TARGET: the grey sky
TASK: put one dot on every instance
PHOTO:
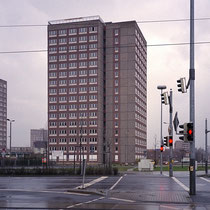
(26, 74)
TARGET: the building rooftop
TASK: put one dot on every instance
(74, 20)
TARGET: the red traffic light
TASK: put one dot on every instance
(190, 132)
(170, 141)
(161, 148)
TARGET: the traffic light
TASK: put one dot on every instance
(165, 141)
(189, 131)
(181, 84)
(186, 132)
(170, 141)
(164, 98)
(161, 148)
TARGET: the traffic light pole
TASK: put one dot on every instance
(171, 134)
(161, 135)
(192, 102)
(206, 148)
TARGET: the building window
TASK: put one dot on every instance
(62, 32)
(92, 29)
(52, 33)
(83, 39)
(52, 41)
(72, 39)
(116, 40)
(72, 56)
(72, 48)
(83, 56)
(116, 32)
(62, 65)
(82, 30)
(93, 55)
(93, 38)
(92, 46)
(72, 31)
(92, 63)
(63, 41)
(62, 49)
(82, 47)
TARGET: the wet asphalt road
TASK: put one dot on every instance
(131, 191)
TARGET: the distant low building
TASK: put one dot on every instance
(181, 145)
(40, 147)
(38, 140)
(21, 150)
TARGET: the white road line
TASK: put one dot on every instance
(44, 191)
(181, 184)
(207, 180)
(79, 204)
(165, 175)
(114, 185)
(120, 199)
(168, 207)
(92, 182)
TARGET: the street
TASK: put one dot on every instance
(132, 190)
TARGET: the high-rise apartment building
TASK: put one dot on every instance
(96, 91)
(3, 115)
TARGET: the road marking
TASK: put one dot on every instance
(165, 175)
(168, 207)
(79, 204)
(44, 191)
(207, 180)
(181, 184)
(120, 199)
(92, 182)
(114, 185)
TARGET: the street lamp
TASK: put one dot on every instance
(161, 88)
(10, 145)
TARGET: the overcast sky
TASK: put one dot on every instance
(26, 73)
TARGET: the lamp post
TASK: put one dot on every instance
(161, 88)
(10, 135)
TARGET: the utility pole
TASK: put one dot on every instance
(170, 134)
(192, 102)
(206, 148)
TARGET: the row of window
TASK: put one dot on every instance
(72, 31)
(74, 140)
(73, 82)
(92, 72)
(73, 56)
(74, 131)
(72, 98)
(82, 106)
(72, 123)
(70, 115)
(72, 48)
(72, 148)
(73, 40)
(73, 90)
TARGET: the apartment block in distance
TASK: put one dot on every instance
(97, 91)
(38, 139)
(3, 115)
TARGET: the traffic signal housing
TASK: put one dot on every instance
(181, 84)
(170, 141)
(187, 132)
(164, 98)
(183, 132)
(190, 131)
(165, 141)
(161, 148)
